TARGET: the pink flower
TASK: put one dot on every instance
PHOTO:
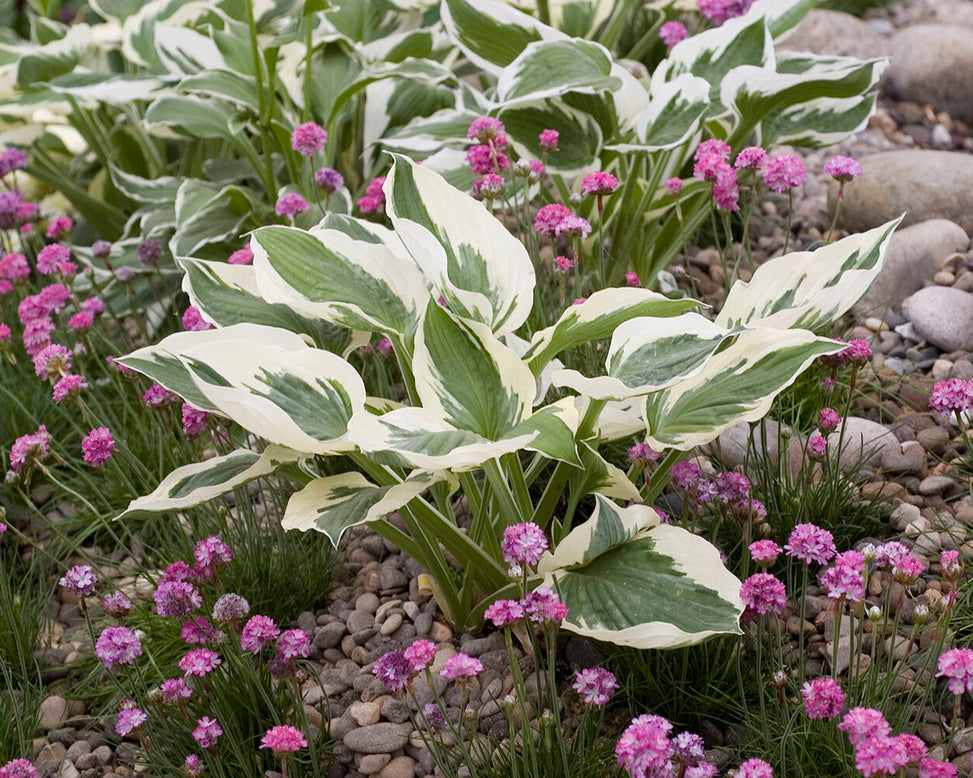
(207, 732)
(81, 321)
(394, 670)
(98, 446)
(956, 665)
(242, 256)
(713, 146)
(148, 252)
(907, 568)
(573, 227)
(176, 599)
(863, 723)
(952, 567)
(672, 32)
(199, 662)
(257, 632)
(329, 179)
(212, 552)
(599, 183)
(116, 604)
(933, 768)
(951, 397)
(644, 748)
(198, 631)
(293, 644)
(755, 768)
(595, 685)
(10, 160)
(783, 172)
(52, 361)
(828, 420)
(100, 249)
(843, 169)
(523, 543)
(193, 421)
(845, 579)
(880, 755)
(14, 267)
(374, 196)
(59, 227)
(689, 749)
(68, 388)
(823, 698)
(129, 720)
(915, 749)
(308, 139)
(117, 646)
(504, 612)
(461, 666)
(486, 129)
(157, 396)
(28, 450)
(420, 655)
(750, 158)
(50, 257)
(563, 264)
(548, 141)
(549, 218)
(763, 593)
(764, 552)
(810, 543)
(543, 606)
(481, 159)
(230, 607)
(290, 205)
(193, 320)
(642, 455)
(18, 768)
(80, 579)
(175, 691)
(491, 186)
(632, 279)
(710, 166)
(674, 186)
(283, 739)
(193, 767)
(726, 190)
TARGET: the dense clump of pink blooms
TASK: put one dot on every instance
(308, 139)
(543, 606)
(393, 669)
(28, 450)
(642, 455)
(503, 613)
(329, 179)
(594, 685)
(290, 205)
(374, 197)
(242, 256)
(784, 172)
(672, 33)
(283, 739)
(194, 421)
(823, 698)
(230, 607)
(80, 580)
(129, 720)
(176, 599)
(207, 732)
(257, 632)
(764, 552)
(175, 691)
(762, 593)
(755, 768)
(117, 646)
(810, 543)
(98, 446)
(487, 130)
(599, 183)
(199, 662)
(420, 655)
(956, 665)
(116, 604)
(863, 723)
(951, 397)
(547, 140)
(523, 543)
(845, 578)
(18, 768)
(843, 169)
(461, 665)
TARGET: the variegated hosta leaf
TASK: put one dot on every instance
(193, 116)
(207, 213)
(809, 289)
(783, 15)
(421, 439)
(713, 53)
(581, 135)
(427, 134)
(737, 384)
(112, 89)
(648, 354)
(492, 34)
(469, 257)
(816, 123)
(330, 275)
(266, 379)
(551, 68)
(619, 420)
(556, 426)
(333, 504)
(752, 92)
(183, 51)
(663, 588)
(191, 485)
(412, 70)
(598, 317)
(672, 117)
(599, 476)
(225, 84)
(468, 378)
(227, 294)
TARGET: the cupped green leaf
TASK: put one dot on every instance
(192, 485)
(665, 588)
(737, 384)
(334, 504)
(816, 123)
(581, 136)
(224, 84)
(672, 117)
(227, 294)
(330, 275)
(597, 318)
(556, 426)
(551, 68)
(647, 354)
(468, 256)
(193, 116)
(809, 289)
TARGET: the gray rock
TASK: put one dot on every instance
(734, 442)
(400, 767)
(924, 184)
(383, 738)
(955, 13)
(933, 63)
(915, 254)
(833, 32)
(53, 710)
(862, 438)
(330, 635)
(943, 316)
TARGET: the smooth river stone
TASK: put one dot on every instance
(943, 316)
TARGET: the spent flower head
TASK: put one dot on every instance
(394, 670)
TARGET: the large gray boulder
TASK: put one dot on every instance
(924, 184)
(915, 254)
(835, 33)
(943, 316)
(933, 63)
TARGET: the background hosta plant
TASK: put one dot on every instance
(452, 290)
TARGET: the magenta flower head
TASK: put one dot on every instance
(674, 186)
(293, 644)
(242, 256)
(632, 279)
(198, 631)
(157, 397)
(193, 321)
(573, 227)
(308, 139)
(230, 607)
(98, 446)
(762, 593)
(641, 455)
(764, 552)
(148, 252)
(644, 748)
(329, 179)
(290, 205)
(80, 579)
(28, 450)
(956, 665)
(750, 158)
(672, 33)
(823, 698)
(283, 739)
(934, 768)
(52, 362)
(10, 160)
(880, 755)
(257, 632)
(420, 655)
(726, 190)
(175, 691)
(828, 420)
(207, 732)
(129, 719)
(374, 196)
(860, 724)
(843, 169)
(116, 605)
(599, 183)
(503, 613)
(549, 218)
(117, 646)
(193, 767)
(950, 398)
(212, 552)
(176, 599)
(594, 685)
(784, 172)
(461, 666)
(548, 141)
(810, 543)
(50, 258)
(755, 768)
(194, 421)
(394, 670)
(523, 543)
(543, 606)
(199, 662)
(487, 129)
(18, 768)
(952, 566)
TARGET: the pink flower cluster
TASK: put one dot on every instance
(855, 355)
(308, 139)
(283, 739)
(951, 398)
(374, 197)
(397, 668)
(523, 544)
(556, 219)
(97, 446)
(645, 750)
(541, 606)
(810, 543)
(878, 752)
(762, 593)
(594, 685)
(730, 489)
(956, 665)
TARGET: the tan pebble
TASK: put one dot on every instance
(875, 324)
(372, 763)
(400, 767)
(943, 278)
(392, 623)
(52, 752)
(439, 632)
(365, 713)
(76, 708)
(348, 644)
(358, 654)
(385, 607)
(313, 716)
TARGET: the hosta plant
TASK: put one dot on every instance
(451, 290)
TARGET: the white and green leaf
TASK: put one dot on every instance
(673, 116)
(824, 121)
(551, 68)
